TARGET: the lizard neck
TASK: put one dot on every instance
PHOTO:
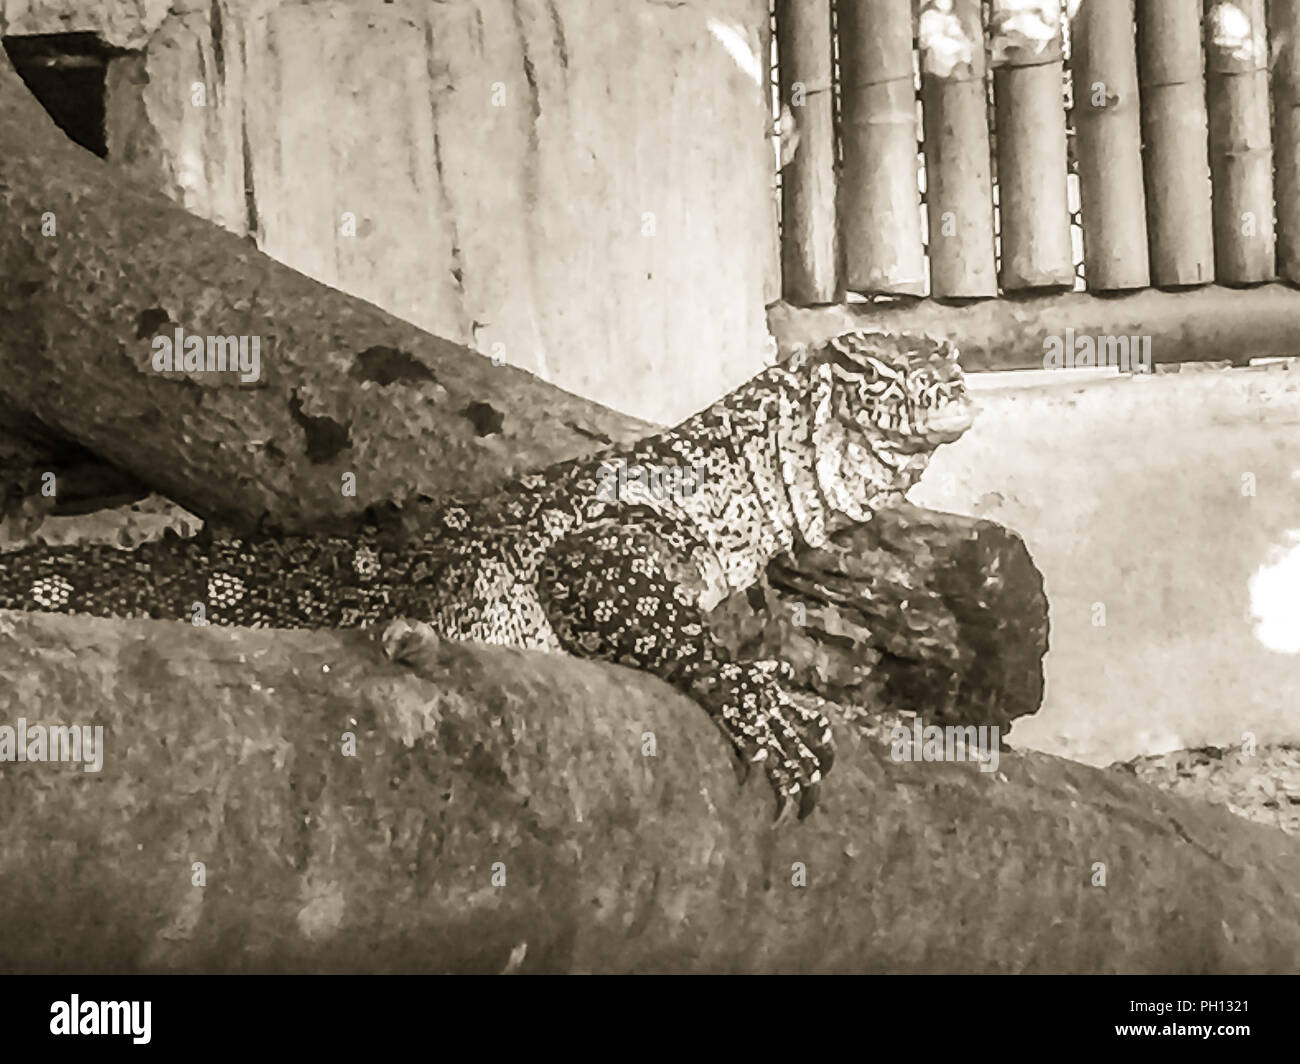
(834, 474)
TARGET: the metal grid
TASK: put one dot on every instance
(1073, 198)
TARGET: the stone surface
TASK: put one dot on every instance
(1263, 786)
(120, 23)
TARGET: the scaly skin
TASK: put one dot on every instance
(617, 556)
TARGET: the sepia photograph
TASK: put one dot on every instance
(649, 487)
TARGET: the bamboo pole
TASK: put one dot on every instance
(809, 240)
(1198, 325)
(959, 186)
(772, 245)
(1030, 115)
(1108, 127)
(1171, 70)
(880, 209)
(1284, 33)
(1241, 147)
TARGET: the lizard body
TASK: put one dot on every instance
(619, 555)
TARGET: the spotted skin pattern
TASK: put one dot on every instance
(623, 594)
(617, 556)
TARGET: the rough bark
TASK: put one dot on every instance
(612, 860)
(918, 612)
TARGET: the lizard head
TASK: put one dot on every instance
(905, 392)
(881, 404)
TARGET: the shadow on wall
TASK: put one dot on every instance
(65, 71)
(1164, 512)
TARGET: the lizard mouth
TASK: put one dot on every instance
(940, 426)
(949, 423)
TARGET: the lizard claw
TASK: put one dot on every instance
(741, 767)
(770, 723)
(808, 800)
(802, 802)
(783, 807)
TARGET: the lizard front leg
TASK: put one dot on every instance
(624, 593)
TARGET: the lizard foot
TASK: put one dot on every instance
(771, 723)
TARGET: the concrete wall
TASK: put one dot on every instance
(1164, 512)
(580, 187)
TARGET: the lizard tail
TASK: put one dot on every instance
(291, 582)
(161, 580)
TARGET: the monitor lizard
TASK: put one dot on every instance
(618, 556)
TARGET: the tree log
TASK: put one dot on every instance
(917, 612)
(94, 268)
(501, 813)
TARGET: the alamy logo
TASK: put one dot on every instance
(954, 742)
(619, 482)
(1071, 351)
(55, 743)
(102, 1017)
(179, 353)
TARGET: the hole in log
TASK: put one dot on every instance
(150, 321)
(387, 365)
(485, 418)
(325, 437)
